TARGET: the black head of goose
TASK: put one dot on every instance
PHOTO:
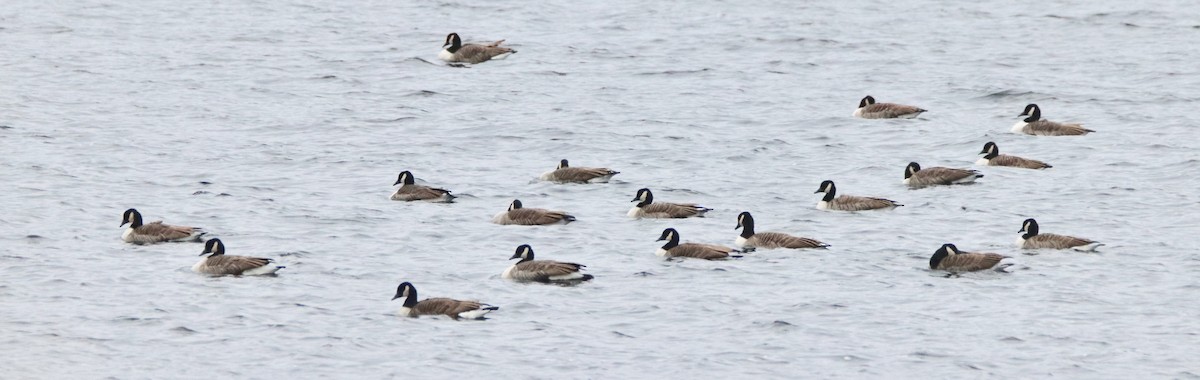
(647, 208)
(769, 240)
(565, 173)
(544, 271)
(1033, 124)
(455, 309)
(992, 157)
(455, 51)
(869, 109)
(917, 178)
(519, 215)
(156, 232)
(410, 191)
(218, 263)
(949, 258)
(699, 251)
(1032, 239)
(830, 201)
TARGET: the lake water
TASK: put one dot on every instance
(280, 125)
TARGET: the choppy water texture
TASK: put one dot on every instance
(280, 126)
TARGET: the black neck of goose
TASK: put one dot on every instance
(411, 300)
(937, 258)
(992, 153)
(1034, 116)
(673, 242)
(648, 200)
(135, 221)
(528, 257)
(1030, 231)
(218, 249)
(747, 227)
(829, 194)
(455, 44)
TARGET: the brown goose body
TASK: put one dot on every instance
(544, 271)
(1032, 238)
(455, 309)
(770, 240)
(992, 157)
(410, 191)
(218, 263)
(568, 174)
(647, 208)
(1033, 124)
(949, 258)
(693, 250)
(455, 51)
(156, 231)
(869, 109)
(916, 177)
(519, 215)
(831, 201)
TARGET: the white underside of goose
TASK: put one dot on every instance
(984, 162)
(822, 205)
(445, 55)
(635, 212)
(1019, 127)
(661, 252)
(740, 241)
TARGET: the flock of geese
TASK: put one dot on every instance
(528, 269)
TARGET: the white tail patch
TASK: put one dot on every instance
(1088, 248)
(475, 314)
(263, 270)
(569, 276)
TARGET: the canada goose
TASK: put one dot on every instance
(546, 271)
(949, 258)
(219, 263)
(769, 240)
(565, 173)
(646, 208)
(455, 51)
(916, 178)
(992, 157)
(868, 109)
(410, 191)
(1031, 239)
(694, 250)
(531, 216)
(156, 232)
(850, 202)
(452, 308)
(1035, 125)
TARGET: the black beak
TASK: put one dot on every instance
(635, 200)
(395, 297)
(818, 191)
(123, 224)
(397, 183)
(515, 257)
(661, 239)
(204, 253)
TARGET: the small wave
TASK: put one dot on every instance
(676, 72)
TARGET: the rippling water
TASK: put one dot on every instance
(279, 126)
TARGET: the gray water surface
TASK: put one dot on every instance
(279, 126)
